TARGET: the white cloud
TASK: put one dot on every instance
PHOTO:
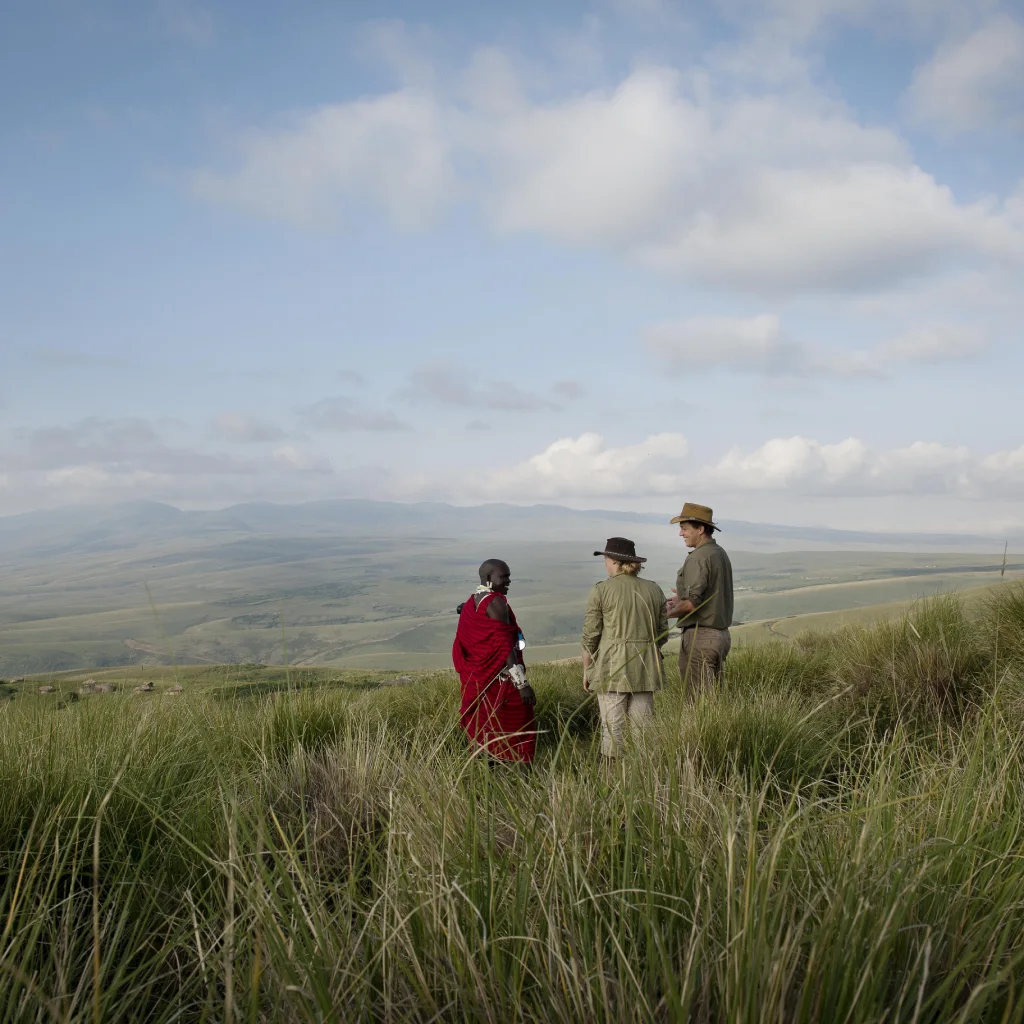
(387, 150)
(849, 469)
(976, 82)
(603, 167)
(759, 345)
(587, 467)
(854, 226)
(105, 461)
(934, 343)
(297, 457)
(784, 193)
(745, 344)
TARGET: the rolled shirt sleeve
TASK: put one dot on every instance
(593, 621)
(693, 579)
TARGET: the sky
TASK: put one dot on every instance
(765, 255)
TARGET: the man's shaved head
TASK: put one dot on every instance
(491, 568)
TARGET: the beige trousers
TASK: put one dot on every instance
(616, 710)
(702, 657)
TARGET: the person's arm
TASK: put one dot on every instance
(688, 597)
(662, 634)
(497, 609)
(593, 626)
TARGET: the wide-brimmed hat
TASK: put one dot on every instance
(696, 514)
(621, 550)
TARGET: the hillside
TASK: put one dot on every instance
(374, 584)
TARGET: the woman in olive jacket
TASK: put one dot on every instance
(624, 630)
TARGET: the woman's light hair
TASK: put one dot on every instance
(627, 568)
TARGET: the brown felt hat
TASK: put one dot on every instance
(621, 550)
(696, 514)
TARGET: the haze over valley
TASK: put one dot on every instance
(375, 584)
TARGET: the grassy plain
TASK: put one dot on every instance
(833, 835)
(378, 602)
(791, 627)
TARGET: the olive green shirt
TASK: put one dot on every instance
(706, 580)
(624, 629)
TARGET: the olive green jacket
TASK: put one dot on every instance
(624, 629)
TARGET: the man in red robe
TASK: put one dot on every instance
(497, 701)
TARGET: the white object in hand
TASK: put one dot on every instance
(518, 676)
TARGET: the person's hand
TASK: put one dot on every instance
(528, 697)
(586, 683)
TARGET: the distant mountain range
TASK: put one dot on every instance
(83, 529)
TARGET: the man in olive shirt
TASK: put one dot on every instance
(703, 601)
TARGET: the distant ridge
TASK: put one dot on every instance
(123, 526)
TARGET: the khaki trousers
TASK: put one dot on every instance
(616, 710)
(702, 657)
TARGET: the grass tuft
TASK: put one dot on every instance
(834, 834)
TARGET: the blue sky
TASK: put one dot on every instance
(762, 255)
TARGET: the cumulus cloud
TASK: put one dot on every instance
(388, 150)
(242, 429)
(848, 468)
(587, 467)
(746, 344)
(934, 343)
(445, 384)
(298, 457)
(602, 167)
(687, 174)
(976, 82)
(756, 193)
(856, 226)
(758, 344)
(341, 414)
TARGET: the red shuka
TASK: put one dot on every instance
(492, 713)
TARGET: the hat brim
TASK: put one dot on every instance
(691, 519)
(617, 556)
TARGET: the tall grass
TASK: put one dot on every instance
(834, 835)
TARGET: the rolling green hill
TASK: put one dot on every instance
(375, 585)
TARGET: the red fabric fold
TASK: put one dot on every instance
(492, 714)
